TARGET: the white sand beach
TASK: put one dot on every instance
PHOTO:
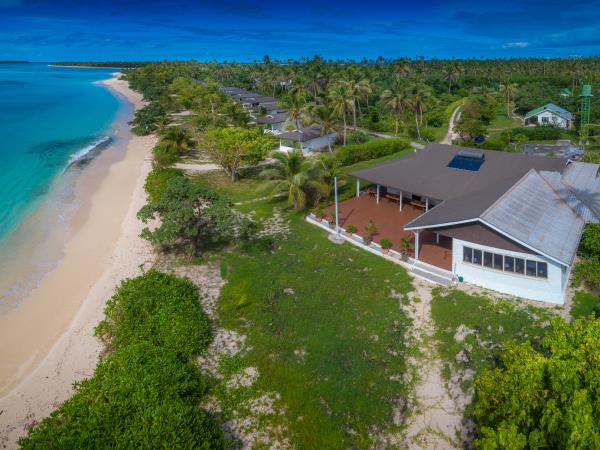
(48, 342)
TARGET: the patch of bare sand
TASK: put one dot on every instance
(249, 421)
(437, 420)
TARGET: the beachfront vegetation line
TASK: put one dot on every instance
(147, 388)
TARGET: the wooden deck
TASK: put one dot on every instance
(390, 222)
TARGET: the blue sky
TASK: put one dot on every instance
(44, 30)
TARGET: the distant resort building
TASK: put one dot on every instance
(549, 115)
(306, 139)
(265, 111)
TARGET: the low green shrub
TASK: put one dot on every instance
(140, 396)
(587, 272)
(351, 154)
(148, 119)
(146, 392)
(351, 228)
(540, 133)
(590, 241)
(160, 309)
(584, 304)
(164, 155)
(156, 182)
(591, 157)
(386, 244)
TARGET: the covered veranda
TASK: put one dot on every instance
(389, 213)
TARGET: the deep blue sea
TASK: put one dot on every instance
(49, 117)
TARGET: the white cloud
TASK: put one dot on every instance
(516, 45)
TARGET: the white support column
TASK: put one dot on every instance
(377, 194)
(426, 204)
(357, 187)
(437, 238)
(417, 245)
(401, 197)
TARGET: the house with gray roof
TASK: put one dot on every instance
(306, 139)
(509, 222)
(549, 115)
(274, 123)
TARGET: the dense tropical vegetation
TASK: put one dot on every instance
(545, 397)
(146, 389)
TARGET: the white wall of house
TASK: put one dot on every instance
(319, 143)
(275, 128)
(551, 289)
(550, 118)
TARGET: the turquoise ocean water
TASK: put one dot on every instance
(49, 117)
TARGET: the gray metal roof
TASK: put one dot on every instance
(532, 213)
(260, 99)
(302, 134)
(427, 173)
(583, 180)
(273, 118)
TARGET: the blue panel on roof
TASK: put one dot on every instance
(466, 163)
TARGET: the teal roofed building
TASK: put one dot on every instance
(549, 115)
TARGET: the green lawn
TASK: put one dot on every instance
(585, 304)
(324, 332)
(324, 328)
(479, 327)
(501, 121)
(246, 188)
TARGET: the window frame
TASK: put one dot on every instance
(498, 263)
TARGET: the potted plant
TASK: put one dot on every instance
(386, 244)
(350, 230)
(370, 230)
(405, 247)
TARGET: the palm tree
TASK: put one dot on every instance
(509, 91)
(295, 105)
(395, 99)
(295, 173)
(340, 96)
(451, 75)
(418, 99)
(330, 168)
(176, 138)
(401, 68)
(358, 91)
(325, 117)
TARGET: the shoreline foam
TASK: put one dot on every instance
(38, 368)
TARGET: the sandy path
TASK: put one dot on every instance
(451, 134)
(56, 323)
(437, 421)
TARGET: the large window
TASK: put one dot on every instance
(505, 263)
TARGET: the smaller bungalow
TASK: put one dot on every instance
(549, 115)
(273, 123)
(259, 101)
(307, 139)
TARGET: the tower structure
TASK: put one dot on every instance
(586, 96)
